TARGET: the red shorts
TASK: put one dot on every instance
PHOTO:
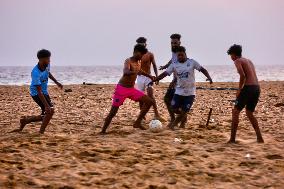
(121, 93)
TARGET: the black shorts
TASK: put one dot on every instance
(182, 102)
(169, 95)
(248, 97)
(41, 105)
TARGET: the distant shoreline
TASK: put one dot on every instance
(161, 84)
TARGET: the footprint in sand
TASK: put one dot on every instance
(274, 157)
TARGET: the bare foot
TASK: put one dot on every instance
(260, 140)
(231, 142)
(161, 119)
(138, 125)
(22, 124)
(102, 133)
(182, 125)
(170, 126)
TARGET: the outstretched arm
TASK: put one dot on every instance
(141, 72)
(205, 72)
(165, 66)
(55, 81)
(161, 76)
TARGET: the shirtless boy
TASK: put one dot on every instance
(248, 93)
(143, 82)
(125, 88)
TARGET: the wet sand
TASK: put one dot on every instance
(71, 154)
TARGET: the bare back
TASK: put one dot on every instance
(146, 62)
(246, 67)
(128, 80)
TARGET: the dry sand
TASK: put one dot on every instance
(72, 155)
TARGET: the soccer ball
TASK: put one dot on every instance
(155, 126)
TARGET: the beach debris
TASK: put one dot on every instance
(172, 180)
(178, 140)
(279, 104)
(247, 156)
(218, 88)
(68, 90)
(209, 116)
(84, 83)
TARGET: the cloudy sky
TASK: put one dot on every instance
(92, 32)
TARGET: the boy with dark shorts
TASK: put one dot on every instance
(175, 43)
(125, 88)
(185, 89)
(39, 93)
(248, 93)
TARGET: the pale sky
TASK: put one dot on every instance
(92, 32)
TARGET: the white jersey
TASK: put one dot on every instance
(185, 76)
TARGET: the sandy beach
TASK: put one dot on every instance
(71, 154)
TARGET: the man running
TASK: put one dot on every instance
(185, 89)
(125, 88)
(39, 93)
(143, 82)
(175, 43)
(248, 93)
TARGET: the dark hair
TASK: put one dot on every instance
(180, 49)
(140, 48)
(43, 53)
(176, 36)
(141, 40)
(235, 49)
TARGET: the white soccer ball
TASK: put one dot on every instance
(155, 126)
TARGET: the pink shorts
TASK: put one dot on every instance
(121, 93)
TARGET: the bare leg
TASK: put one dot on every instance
(235, 123)
(183, 121)
(26, 120)
(169, 107)
(147, 103)
(254, 123)
(178, 119)
(141, 105)
(46, 119)
(108, 119)
(150, 93)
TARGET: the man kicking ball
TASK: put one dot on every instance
(125, 88)
(175, 43)
(39, 93)
(143, 82)
(248, 93)
(185, 89)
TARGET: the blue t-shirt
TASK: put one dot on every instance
(39, 78)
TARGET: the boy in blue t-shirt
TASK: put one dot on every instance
(39, 93)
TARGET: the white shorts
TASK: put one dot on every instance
(143, 82)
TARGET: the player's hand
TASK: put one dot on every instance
(150, 84)
(161, 67)
(210, 80)
(238, 93)
(47, 110)
(59, 85)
